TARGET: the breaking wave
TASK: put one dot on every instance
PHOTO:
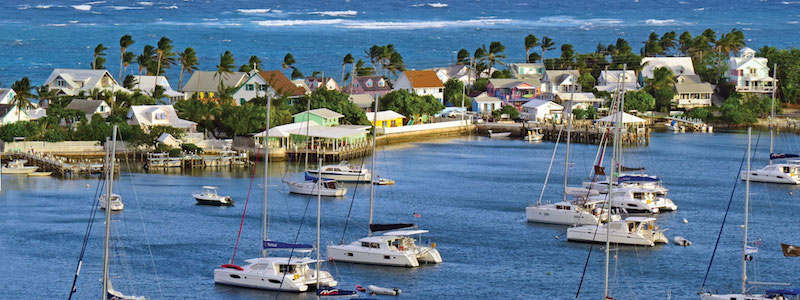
(82, 7)
(254, 10)
(339, 13)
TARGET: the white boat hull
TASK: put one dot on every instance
(342, 176)
(541, 214)
(354, 253)
(116, 202)
(597, 234)
(265, 281)
(770, 177)
(20, 170)
(311, 188)
(213, 200)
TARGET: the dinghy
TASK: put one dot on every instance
(384, 291)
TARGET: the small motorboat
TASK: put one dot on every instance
(499, 134)
(327, 188)
(343, 172)
(382, 181)
(330, 292)
(18, 167)
(209, 196)
(39, 174)
(116, 202)
(384, 291)
(534, 135)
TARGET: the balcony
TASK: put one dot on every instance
(754, 89)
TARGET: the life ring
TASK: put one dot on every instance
(401, 248)
(232, 266)
(296, 277)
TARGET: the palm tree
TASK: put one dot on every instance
(348, 59)
(296, 73)
(395, 63)
(145, 60)
(127, 60)
(685, 43)
(478, 59)
(462, 58)
(165, 55)
(668, 41)
(44, 94)
(99, 60)
(124, 42)
(224, 67)
(252, 64)
(288, 61)
(547, 44)
(188, 60)
(21, 100)
(531, 41)
(374, 55)
(495, 53)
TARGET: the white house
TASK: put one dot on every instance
(458, 72)
(485, 104)
(541, 110)
(691, 92)
(609, 81)
(147, 116)
(11, 114)
(70, 82)
(147, 84)
(750, 74)
(560, 81)
(526, 70)
(262, 83)
(90, 107)
(6, 95)
(678, 65)
(586, 99)
(421, 83)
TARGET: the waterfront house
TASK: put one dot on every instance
(585, 99)
(485, 104)
(541, 110)
(678, 65)
(691, 92)
(560, 81)
(11, 114)
(513, 91)
(315, 83)
(90, 107)
(527, 70)
(421, 83)
(147, 84)
(375, 86)
(313, 137)
(750, 74)
(301, 83)
(147, 116)
(458, 72)
(71, 82)
(321, 116)
(363, 101)
(273, 83)
(609, 81)
(6, 95)
(386, 118)
(205, 84)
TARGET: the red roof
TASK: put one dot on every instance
(423, 79)
(281, 83)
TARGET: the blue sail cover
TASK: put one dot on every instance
(637, 178)
(782, 155)
(783, 292)
(279, 245)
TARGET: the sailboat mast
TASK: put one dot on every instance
(319, 217)
(264, 236)
(372, 167)
(308, 120)
(569, 131)
(746, 213)
(615, 146)
(772, 109)
(109, 179)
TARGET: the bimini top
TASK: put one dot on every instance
(784, 292)
(283, 260)
(640, 219)
(286, 246)
(208, 187)
(637, 178)
(405, 232)
(782, 155)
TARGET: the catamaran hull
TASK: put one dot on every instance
(551, 216)
(410, 259)
(769, 177)
(595, 235)
(341, 177)
(264, 282)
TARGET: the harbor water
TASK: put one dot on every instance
(470, 192)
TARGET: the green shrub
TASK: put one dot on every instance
(191, 147)
(175, 152)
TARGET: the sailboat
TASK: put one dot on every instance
(747, 250)
(115, 203)
(629, 231)
(788, 170)
(314, 185)
(280, 273)
(579, 211)
(396, 247)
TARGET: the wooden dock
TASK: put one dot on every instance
(62, 166)
(227, 159)
(581, 133)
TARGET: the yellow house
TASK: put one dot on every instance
(386, 118)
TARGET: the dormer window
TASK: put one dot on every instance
(160, 116)
(61, 82)
(369, 83)
(381, 83)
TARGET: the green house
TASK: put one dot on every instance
(321, 116)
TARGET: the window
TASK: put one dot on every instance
(394, 123)
(283, 268)
(249, 87)
(262, 87)
(102, 108)
(365, 244)
(381, 83)
(61, 82)
(210, 94)
(374, 245)
(369, 83)
(752, 71)
(349, 253)
(441, 90)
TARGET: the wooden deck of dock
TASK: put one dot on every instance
(581, 133)
(62, 166)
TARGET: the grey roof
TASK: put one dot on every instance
(558, 76)
(484, 97)
(79, 75)
(362, 100)
(690, 78)
(324, 112)
(5, 109)
(502, 83)
(86, 106)
(4, 93)
(685, 88)
(208, 81)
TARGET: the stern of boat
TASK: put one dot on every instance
(429, 255)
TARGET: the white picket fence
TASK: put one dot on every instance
(420, 127)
